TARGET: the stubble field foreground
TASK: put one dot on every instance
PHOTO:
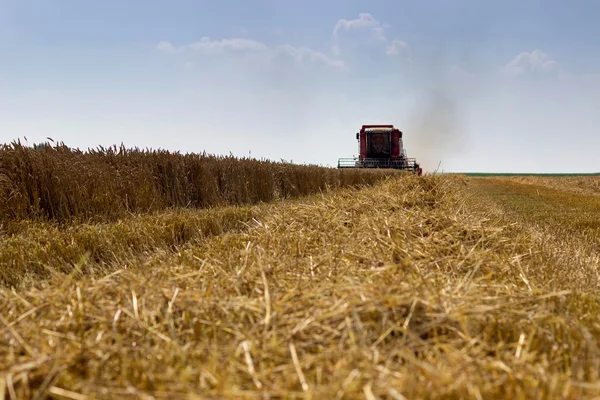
(416, 287)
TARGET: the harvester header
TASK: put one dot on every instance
(381, 146)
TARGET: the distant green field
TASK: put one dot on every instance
(524, 174)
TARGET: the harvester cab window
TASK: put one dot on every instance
(379, 143)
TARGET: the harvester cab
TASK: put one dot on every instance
(381, 146)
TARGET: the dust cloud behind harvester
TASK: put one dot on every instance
(436, 127)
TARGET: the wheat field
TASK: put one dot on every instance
(366, 285)
(62, 184)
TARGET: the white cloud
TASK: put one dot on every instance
(206, 45)
(376, 29)
(376, 34)
(166, 47)
(397, 48)
(535, 61)
(365, 20)
(302, 54)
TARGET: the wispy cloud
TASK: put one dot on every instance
(365, 20)
(398, 48)
(306, 54)
(207, 46)
(532, 62)
(166, 47)
(375, 33)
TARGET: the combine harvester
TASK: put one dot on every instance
(380, 146)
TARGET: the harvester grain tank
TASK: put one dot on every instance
(381, 146)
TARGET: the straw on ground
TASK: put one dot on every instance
(413, 288)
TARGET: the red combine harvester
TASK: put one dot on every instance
(381, 146)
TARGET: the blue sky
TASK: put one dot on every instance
(475, 85)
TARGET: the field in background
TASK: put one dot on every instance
(413, 287)
(561, 214)
(507, 174)
(62, 184)
(582, 184)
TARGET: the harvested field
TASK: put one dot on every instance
(564, 224)
(415, 287)
(576, 184)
